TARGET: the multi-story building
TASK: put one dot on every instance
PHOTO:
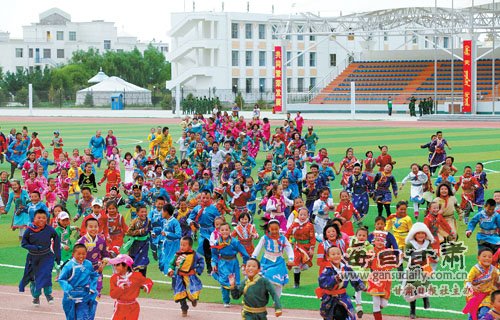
(52, 41)
(219, 53)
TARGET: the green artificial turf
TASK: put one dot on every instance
(468, 147)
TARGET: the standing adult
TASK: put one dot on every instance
(389, 105)
(97, 144)
(163, 142)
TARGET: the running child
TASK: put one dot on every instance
(274, 244)
(138, 244)
(125, 286)
(245, 232)
(184, 268)
(255, 291)
(345, 211)
(78, 280)
(38, 239)
(225, 262)
(301, 235)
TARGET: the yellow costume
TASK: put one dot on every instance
(399, 228)
(74, 175)
(481, 280)
(164, 143)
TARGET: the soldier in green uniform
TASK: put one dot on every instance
(421, 106)
(412, 106)
(389, 105)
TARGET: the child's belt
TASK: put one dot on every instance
(254, 310)
(228, 257)
(321, 292)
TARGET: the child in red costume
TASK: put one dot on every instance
(125, 286)
(345, 210)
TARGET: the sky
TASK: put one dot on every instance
(150, 19)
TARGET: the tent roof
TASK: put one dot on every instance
(98, 77)
(114, 84)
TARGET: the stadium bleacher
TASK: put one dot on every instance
(377, 80)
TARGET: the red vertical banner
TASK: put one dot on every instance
(467, 76)
(278, 79)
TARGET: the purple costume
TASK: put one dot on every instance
(96, 251)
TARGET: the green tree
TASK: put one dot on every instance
(22, 96)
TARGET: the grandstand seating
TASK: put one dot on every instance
(377, 80)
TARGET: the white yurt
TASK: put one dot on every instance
(101, 93)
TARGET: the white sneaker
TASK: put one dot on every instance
(226, 305)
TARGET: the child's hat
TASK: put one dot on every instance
(97, 202)
(63, 215)
(416, 228)
(56, 132)
(136, 186)
(122, 258)
(206, 172)
(113, 188)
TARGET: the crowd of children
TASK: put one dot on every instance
(197, 206)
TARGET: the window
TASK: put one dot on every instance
(312, 83)
(300, 84)
(273, 85)
(234, 30)
(273, 57)
(262, 31)
(288, 57)
(312, 38)
(262, 58)
(248, 85)
(446, 41)
(72, 36)
(300, 59)
(47, 54)
(300, 36)
(273, 32)
(436, 41)
(19, 52)
(30, 52)
(262, 85)
(386, 36)
(414, 39)
(426, 42)
(235, 57)
(248, 31)
(248, 58)
(288, 84)
(107, 44)
(333, 59)
(234, 85)
(60, 35)
(312, 59)
(60, 53)
(49, 36)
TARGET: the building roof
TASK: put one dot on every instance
(99, 77)
(114, 84)
(54, 16)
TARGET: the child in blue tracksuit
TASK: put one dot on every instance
(156, 218)
(225, 261)
(38, 240)
(79, 283)
(171, 233)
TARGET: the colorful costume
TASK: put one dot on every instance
(79, 283)
(272, 262)
(171, 243)
(303, 239)
(399, 227)
(40, 259)
(346, 211)
(348, 165)
(96, 251)
(333, 293)
(187, 285)
(66, 241)
(138, 244)
(382, 183)
(245, 235)
(480, 283)
(479, 192)
(488, 232)
(256, 294)
(359, 187)
(20, 218)
(125, 290)
(321, 209)
(224, 257)
(117, 228)
(417, 182)
(439, 155)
